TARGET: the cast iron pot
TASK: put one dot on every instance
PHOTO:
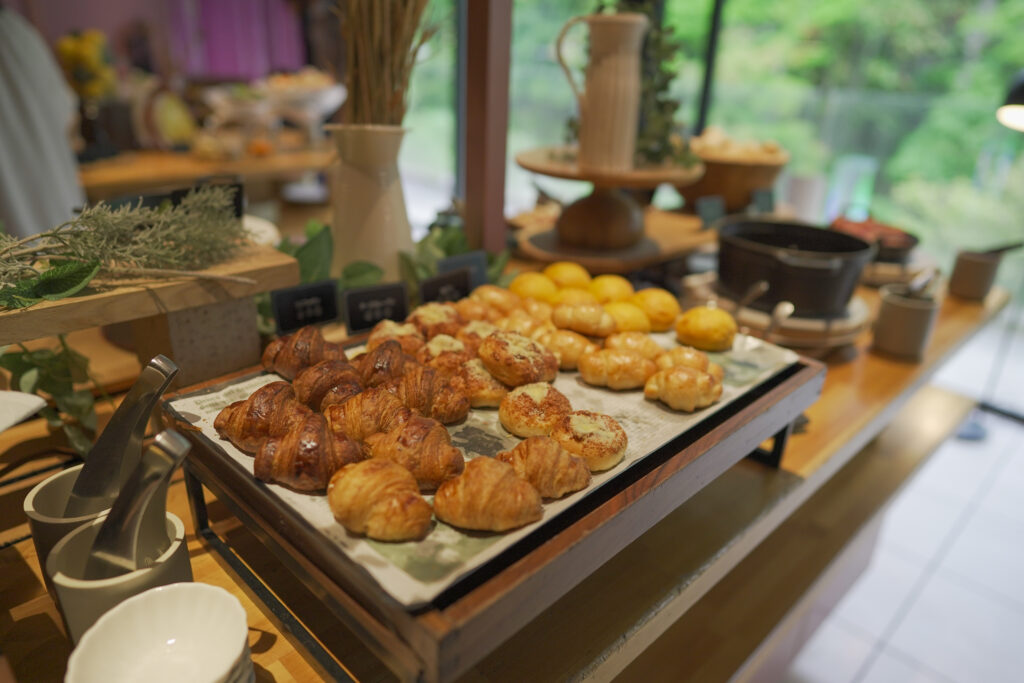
(814, 268)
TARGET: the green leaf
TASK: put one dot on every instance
(52, 417)
(77, 438)
(80, 405)
(452, 240)
(65, 279)
(314, 257)
(78, 365)
(29, 380)
(17, 297)
(496, 265)
(407, 269)
(288, 247)
(360, 274)
(313, 228)
(15, 361)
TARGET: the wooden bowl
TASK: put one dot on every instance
(733, 180)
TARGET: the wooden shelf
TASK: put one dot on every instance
(270, 268)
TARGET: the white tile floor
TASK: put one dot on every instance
(943, 598)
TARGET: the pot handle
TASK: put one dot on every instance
(832, 264)
(561, 61)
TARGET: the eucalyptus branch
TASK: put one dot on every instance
(171, 273)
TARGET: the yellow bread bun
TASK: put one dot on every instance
(573, 296)
(708, 329)
(568, 274)
(661, 307)
(610, 288)
(628, 317)
(534, 286)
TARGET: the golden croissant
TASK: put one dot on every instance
(683, 388)
(422, 446)
(289, 355)
(616, 369)
(384, 363)
(269, 411)
(305, 458)
(567, 346)
(488, 496)
(335, 377)
(589, 319)
(405, 334)
(638, 342)
(372, 411)
(379, 498)
(551, 469)
(431, 394)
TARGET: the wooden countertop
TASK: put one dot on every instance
(609, 626)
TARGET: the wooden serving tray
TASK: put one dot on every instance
(446, 637)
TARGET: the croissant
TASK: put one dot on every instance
(422, 446)
(683, 355)
(551, 469)
(496, 297)
(638, 342)
(305, 458)
(405, 334)
(336, 377)
(487, 497)
(431, 394)
(383, 364)
(379, 498)
(683, 388)
(615, 369)
(289, 355)
(520, 321)
(471, 309)
(540, 310)
(567, 346)
(589, 319)
(372, 411)
(269, 411)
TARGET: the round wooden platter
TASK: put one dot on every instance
(667, 235)
(560, 162)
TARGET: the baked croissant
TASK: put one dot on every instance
(431, 394)
(422, 446)
(589, 319)
(372, 411)
(520, 321)
(616, 369)
(305, 458)
(471, 309)
(289, 355)
(336, 377)
(379, 498)
(269, 411)
(383, 364)
(488, 496)
(496, 297)
(405, 334)
(683, 388)
(683, 355)
(638, 342)
(551, 469)
(567, 346)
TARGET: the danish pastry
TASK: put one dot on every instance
(588, 319)
(435, 318)
(474, 332)
(480, 386)
(488, 496)
(422, 446)
(532, 409)
(405, 334)
(567, 346)
(638, 342)
(551, 469)
(683, 388)
(380, 499)
(616, 369)
(515, 360)
(595, 437)
(445, 354)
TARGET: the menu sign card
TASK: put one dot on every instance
(447, 286)
(302, 305)
(364, 307)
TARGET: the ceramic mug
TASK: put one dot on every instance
(44, 507)
(82, 602)
(973, 274)
(904, 324)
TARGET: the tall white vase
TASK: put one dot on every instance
(610, 100)
(370, 219)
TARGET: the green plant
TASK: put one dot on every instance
(53, 373)
(130, 241)
(446, 237)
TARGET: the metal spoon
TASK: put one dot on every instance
(1005, 248)
(121, 546)
(118, 449)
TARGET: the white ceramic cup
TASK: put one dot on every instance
(82, 602)
(182, 632)
(44, 507)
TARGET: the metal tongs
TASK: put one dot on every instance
(117, 451)
(134, 534)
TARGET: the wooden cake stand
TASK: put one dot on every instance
(607, 218)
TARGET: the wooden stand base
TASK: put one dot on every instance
(607, 218)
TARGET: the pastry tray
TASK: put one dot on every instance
(394, 594)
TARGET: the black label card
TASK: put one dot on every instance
(710, 209)
(476, 261)
(302, 305)
(364, 307)
(764, 200)
(446, 287)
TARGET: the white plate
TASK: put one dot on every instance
(15, 406)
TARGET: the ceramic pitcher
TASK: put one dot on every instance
(610, 101)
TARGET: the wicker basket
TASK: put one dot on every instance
(732, 180)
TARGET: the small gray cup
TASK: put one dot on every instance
(974, 274)
(904, 324)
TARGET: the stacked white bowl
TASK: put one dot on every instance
(182, 632)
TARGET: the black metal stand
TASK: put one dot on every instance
(201, 522)
(773, 457)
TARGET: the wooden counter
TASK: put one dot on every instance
(633, 607)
